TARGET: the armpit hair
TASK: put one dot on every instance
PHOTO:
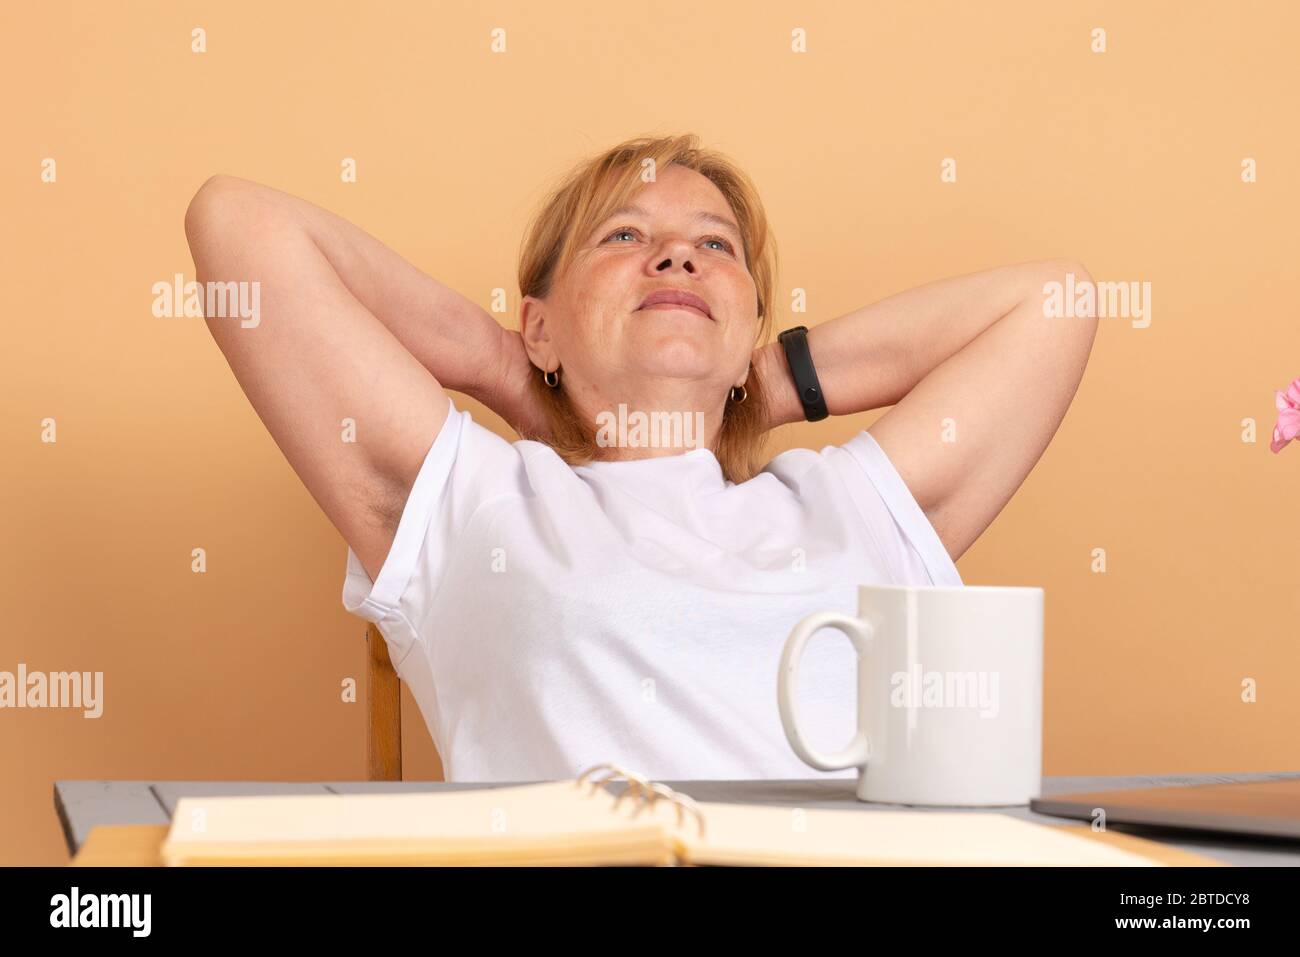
(386, 501)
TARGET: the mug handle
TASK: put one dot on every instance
(855, 754)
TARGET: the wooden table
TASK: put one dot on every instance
(130, 818)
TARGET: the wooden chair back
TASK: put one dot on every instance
(383, 711)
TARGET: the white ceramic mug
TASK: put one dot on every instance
(950, 694)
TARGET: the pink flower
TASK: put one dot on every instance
(1288, 416)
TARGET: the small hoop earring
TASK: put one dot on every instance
(552, 378)
(743, 394)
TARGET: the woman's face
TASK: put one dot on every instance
(681, 235)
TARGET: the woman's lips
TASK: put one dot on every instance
(675, 296)
(674, 307)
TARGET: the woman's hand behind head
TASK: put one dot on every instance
(508, 392)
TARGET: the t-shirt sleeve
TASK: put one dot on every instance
(888, 503)
(466, 466)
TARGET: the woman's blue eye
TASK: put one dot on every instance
(708, 239)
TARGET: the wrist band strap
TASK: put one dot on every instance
(799, 357)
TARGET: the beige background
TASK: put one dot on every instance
(1128, 160)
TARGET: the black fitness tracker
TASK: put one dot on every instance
(799, 357)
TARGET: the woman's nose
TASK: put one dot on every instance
(667, 263)
(675, 252)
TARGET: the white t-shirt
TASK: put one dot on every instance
(548, 617)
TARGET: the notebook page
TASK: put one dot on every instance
(527, 820)
(738, 834)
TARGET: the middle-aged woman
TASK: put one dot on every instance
(578, 596)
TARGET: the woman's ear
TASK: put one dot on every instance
(537, 339)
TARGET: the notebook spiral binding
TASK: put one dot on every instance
(650, 791)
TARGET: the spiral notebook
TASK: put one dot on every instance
(582, 822)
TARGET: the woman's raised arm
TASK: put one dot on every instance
(340, 362)
(978, 376)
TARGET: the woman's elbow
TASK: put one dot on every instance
(209, 206)
(223, 203)
(1062, 271)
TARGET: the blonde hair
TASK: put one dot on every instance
(588, 195)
